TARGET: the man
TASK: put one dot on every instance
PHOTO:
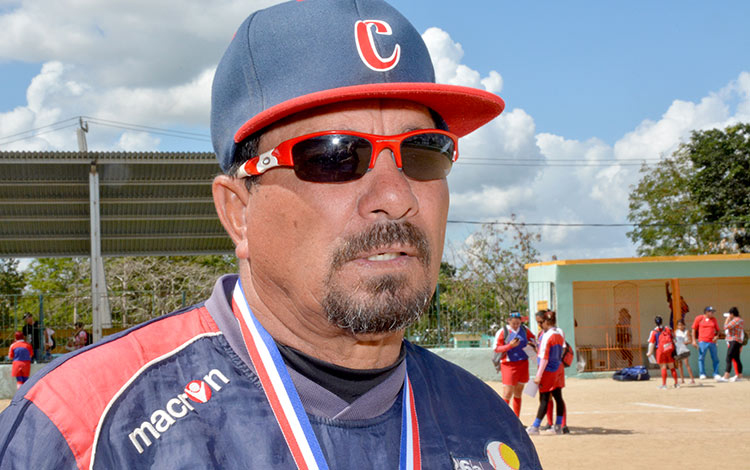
(300, 362)
(705, 334)
(31, 331)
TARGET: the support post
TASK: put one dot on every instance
(96, 254)
(676, 303)
(100, 314)
(437, 312)
(39, 332)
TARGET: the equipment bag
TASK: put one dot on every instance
(568, 355)
(632, 374)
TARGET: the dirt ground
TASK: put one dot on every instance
(633, 425)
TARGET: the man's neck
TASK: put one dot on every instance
(311, 334)
(347, 384)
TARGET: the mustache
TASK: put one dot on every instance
(383, 235)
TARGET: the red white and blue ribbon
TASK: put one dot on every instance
(287, 406)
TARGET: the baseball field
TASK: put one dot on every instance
(633, 425)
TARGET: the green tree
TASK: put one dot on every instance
(147, 286)
(65, 287)
(697, 201)
(721, 182)
(139, 287)
(668, 221)
(489, 282)
(495, 258)
(12, 283)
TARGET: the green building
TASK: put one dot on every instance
(606, 307)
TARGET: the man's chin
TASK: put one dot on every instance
(375, 314)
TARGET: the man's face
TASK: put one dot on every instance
(361, 255)
(710, 313)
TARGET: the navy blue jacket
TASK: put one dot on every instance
(125, 403)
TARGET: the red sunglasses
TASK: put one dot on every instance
(339, 156)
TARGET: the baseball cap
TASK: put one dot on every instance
(709, 309)
(299, 55)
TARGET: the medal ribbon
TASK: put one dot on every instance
(287, 406)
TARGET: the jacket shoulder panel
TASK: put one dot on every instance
(105, 369)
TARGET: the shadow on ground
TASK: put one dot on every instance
(580, 430)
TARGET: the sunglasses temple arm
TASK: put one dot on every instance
(258, 165)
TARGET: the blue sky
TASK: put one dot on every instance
(603, 84)
(596, 69)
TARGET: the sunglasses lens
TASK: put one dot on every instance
(331, 158)
(427, 156)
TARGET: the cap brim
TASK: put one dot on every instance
(463, 109)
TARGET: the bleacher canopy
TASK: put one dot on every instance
(150, 204)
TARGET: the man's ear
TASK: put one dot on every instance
(231, 199)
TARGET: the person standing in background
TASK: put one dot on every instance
(681, 340)
(79, 339)
(684, 308)
(49, 343)
(661, 343)
(510, 341)
(734, 326)
(705, 334)
(31, 331)
(550, 374)
(21, 353)
(624, 337)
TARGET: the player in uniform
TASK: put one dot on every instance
(335, 143)
(21, 353)
(514, 366)
(661, 344)
(550, 374)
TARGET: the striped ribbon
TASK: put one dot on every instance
(287, 406)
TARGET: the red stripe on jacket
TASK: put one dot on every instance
(105, 372)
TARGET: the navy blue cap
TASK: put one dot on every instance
(709, 309)
(303, 54)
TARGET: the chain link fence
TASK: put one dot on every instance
(442, 325)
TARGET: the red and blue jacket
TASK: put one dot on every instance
(180, 392)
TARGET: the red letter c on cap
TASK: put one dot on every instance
(366, 45)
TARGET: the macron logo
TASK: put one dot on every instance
(197, 391)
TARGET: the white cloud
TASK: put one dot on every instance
(446, 59)
(124, 42)
(488, 203)
(136, 141)
(143, 62)
(742, 88)
(59, 93)
(653, 139)
(151, 63)
(574, 182)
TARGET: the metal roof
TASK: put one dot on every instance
(150, 204)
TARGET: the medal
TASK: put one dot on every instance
(287, 406)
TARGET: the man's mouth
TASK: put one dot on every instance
(385, 256)
(384, 242)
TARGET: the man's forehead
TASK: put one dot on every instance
(372, 116)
